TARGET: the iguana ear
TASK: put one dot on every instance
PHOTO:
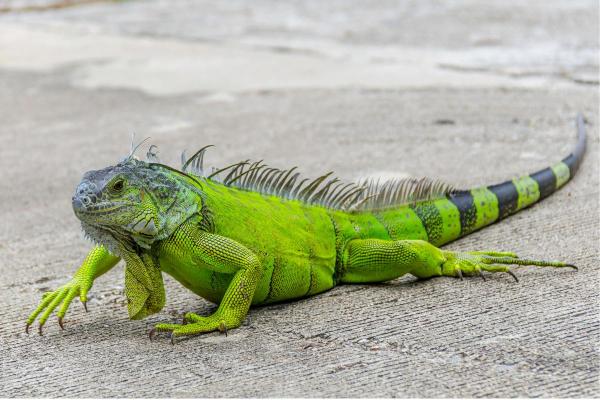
(144, 289)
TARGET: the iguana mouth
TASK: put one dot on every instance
(82, 208)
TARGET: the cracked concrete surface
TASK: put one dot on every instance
(469, 92)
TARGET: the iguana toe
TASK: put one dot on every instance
(196, 324)
(475, 263)
(481, 274)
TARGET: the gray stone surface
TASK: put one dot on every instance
(65, 110)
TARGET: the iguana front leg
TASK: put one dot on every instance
(223, 255)
(97, 262)
(374, 260)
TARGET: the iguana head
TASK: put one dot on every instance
(133, 202)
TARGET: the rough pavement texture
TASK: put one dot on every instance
(441, 337)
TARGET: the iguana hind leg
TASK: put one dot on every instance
(374, 260)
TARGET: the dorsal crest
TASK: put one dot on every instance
(326, 190)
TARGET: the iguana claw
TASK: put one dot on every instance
(40, 330)
(151, 333)
(223, 328)
(513, 275)
(59, 300)
(27, 328)
(172, 337)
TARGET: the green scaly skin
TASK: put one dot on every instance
(239, 248)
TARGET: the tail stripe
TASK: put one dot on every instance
(477, 208)
(468, 212)
(546, 181)
(450, 218)
(507, 195)
(571, 162)
(486, 203)
(439, 219)
(528, 190)
(562, 173)
(431, 218)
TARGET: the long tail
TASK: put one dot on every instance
(485, 205)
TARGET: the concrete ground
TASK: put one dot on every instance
(469, 92)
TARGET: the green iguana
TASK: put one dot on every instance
(248, 234)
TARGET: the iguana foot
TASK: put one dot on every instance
(473, 263)
(52, 300)
(194, 324)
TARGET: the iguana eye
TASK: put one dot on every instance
(118, 185)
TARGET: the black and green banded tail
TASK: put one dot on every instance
(485, 205)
